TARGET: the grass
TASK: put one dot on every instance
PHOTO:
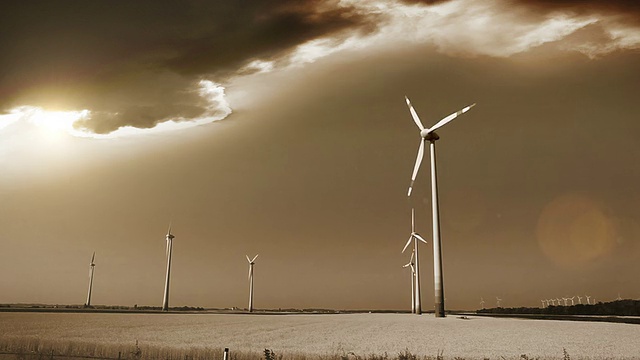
(34, 348)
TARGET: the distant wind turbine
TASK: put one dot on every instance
(564, 299)
(92, 266)
(553, 302)
(579, 299)
(251, 263)
(482, 303)
(413, 283)
(571, 298)
(415, 237)
(169, 253)
(498, 300)
(588, 297)
(542, 301)
(430, 135)
(618, 298)
(559, 301)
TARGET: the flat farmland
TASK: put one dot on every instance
(362, 334)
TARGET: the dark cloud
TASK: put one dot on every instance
(628, 9)
(111, 57)
(427, 2)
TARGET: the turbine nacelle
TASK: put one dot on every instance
(429, 135)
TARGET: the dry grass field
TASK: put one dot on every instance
(336, 335)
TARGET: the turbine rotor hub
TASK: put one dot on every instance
(429, 136)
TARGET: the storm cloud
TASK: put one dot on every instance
(141, 63)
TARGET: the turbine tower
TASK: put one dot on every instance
(413, 283)
(92, 266)
(482, 302)
(169, 252)
(251, 263)
(430, 135)
(415, 237)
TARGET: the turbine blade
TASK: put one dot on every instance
(442, 122)
(413, 253)
(249, 260)
(93, 257)
(414, 114)
(416, 167)
(407, 244)
(409, 264)
(169, 231)
(254, 258)
(417, 236)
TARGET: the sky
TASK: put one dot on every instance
(280, 128)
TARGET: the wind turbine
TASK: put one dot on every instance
(413, 283)
(251, 263)
(579, 299)
(92, 266)
(169, 252)
(542, 301)
(553, 302)
(430, 135)
(571, 298)
(482, 302)
(415, 237)
(588, 297)
(498, 301)
(559, 301)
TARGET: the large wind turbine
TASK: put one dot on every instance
(251, 263)
(92, 266)
(430, 135)
(415, 237)
(413, 282)
(169, 237)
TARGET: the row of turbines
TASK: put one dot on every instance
(565, 301)
(169, 253)
(426, 134)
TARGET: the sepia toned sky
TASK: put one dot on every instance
(279, 128)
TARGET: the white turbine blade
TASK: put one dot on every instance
(413, 253)
(407, 244)
(414, 114)
(254, 258)
(409, 264)
(417, 236)
(93, 257)
(249, 260)
(416, 167)
(442, 122)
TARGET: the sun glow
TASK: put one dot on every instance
(57, 124)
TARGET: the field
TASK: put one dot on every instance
(340, 334)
